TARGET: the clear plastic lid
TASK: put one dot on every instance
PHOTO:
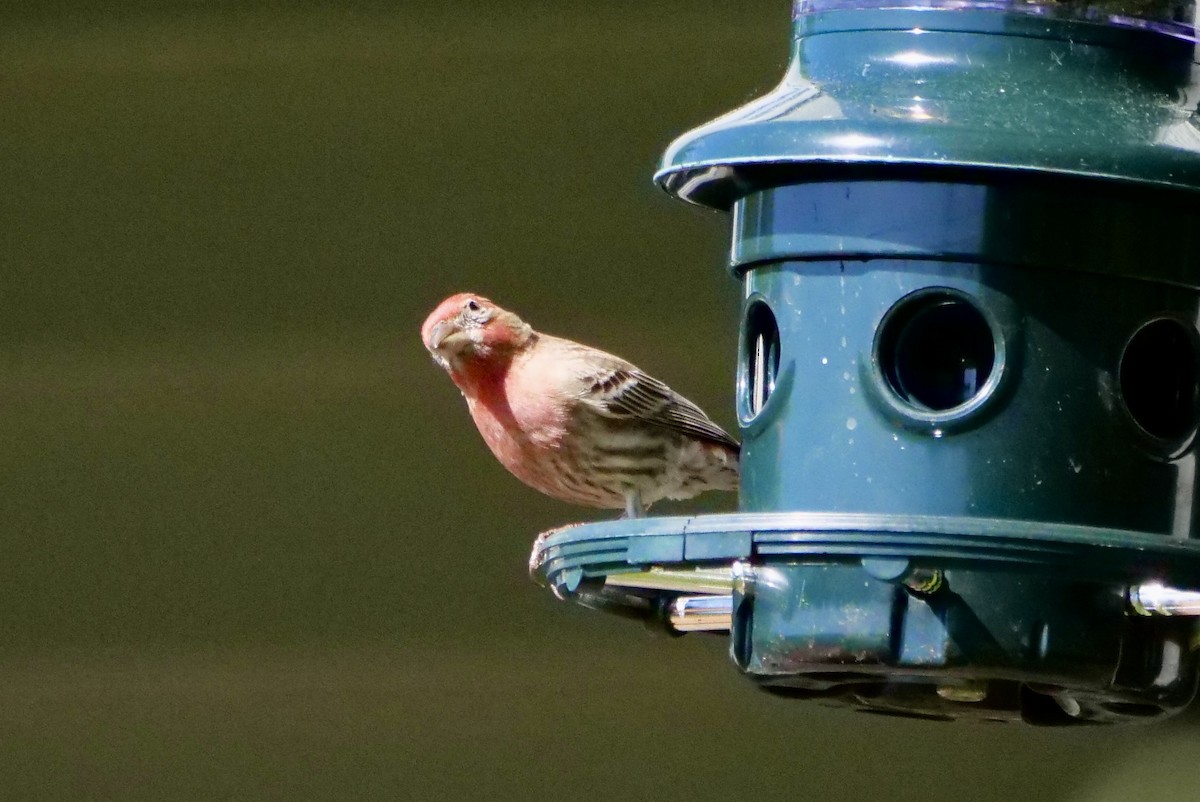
(1173, 17)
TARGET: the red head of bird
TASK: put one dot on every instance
(468, 333)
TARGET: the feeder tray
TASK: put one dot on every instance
(940, 618)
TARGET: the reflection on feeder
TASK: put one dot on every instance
(702, 613)
(1155, 598)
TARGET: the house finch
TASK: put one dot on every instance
(576, 423)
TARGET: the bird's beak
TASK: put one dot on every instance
(442, 330)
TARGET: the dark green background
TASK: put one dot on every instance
(252, 546)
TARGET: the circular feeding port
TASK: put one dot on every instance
(936, 350)
(761, 357)
(1158, 376)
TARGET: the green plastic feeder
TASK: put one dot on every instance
(968, 238)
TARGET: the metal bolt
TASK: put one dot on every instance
(924, 580)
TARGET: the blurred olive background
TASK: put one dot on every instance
(252, 546)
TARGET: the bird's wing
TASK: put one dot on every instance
(616, 389)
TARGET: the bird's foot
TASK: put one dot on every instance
(634, 508)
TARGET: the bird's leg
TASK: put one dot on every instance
(633, 504)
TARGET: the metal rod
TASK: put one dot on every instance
(699, 580)
(702, 613)
(1155, 598)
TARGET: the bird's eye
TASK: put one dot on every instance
(473, 305)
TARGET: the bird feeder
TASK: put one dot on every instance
(968, 241)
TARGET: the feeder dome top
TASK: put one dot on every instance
(918, 93)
